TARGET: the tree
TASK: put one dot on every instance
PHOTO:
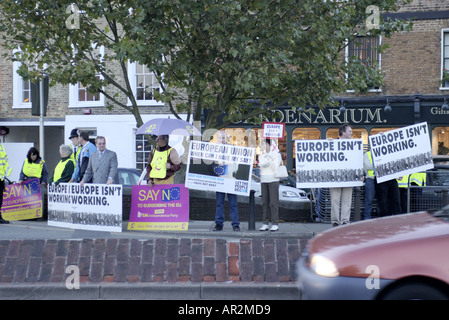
(223, 61)
(238, 60)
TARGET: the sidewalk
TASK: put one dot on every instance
(194, 264)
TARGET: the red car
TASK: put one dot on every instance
(397, 257)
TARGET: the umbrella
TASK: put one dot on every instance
(162, 126)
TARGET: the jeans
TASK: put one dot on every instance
(233, 209)
(370, 191)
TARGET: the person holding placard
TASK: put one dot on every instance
(341, 197)
(223, 170)
(163, 162)
(269, 161)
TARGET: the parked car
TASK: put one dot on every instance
(397, 257)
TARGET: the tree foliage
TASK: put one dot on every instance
(219, 61)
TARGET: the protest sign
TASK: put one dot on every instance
(22, 201)
(273, 130)
(162, 207)
(91, 207)
(219, 167)
(401, 151)
(329, 163)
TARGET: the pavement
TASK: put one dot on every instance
(41, 262)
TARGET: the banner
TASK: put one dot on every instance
(92, 207)
(219, 167)
(329, 163)
(22, 201)
(273, 130)
(401, 151)
(162, 207)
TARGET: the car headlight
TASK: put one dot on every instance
(290, 194)
(323, 266)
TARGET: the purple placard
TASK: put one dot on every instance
(162, 207)
(22, 201)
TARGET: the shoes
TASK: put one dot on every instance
(236, 228)
(274, 227)
(264, 227)
(218, 227)
(2, 221)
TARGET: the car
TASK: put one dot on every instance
(286, 193)
(128, 177)
(395, 257)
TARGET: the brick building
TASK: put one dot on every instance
(412, 69)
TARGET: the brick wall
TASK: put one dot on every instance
(154, 260)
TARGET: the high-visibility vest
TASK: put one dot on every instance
(158, 168)
(370, 172)
(74, 156)
(419, 178)
(33, 170)
(403, 182)
(60, 169)
(5, 169)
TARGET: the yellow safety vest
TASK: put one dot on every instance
(403, 183)
(5, 169)
(158, 169)
(419, 178)
(60, 169)
(370, 172)
(74, 156)
(33, 170)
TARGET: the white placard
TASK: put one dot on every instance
(219, 167)
(92, 207)
(401, 151)
(329, 163)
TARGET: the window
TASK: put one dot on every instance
(440, 141)
(143, 149)
(365, 49)
(79, 97)
(84, 95)
(21, 90)
(444, 84)
(144, 84)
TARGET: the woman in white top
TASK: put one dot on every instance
(269, 161)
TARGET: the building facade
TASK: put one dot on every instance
(414, 90)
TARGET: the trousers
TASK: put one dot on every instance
(233, 209)
(340, 197)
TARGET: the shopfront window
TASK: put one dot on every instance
(440, 141)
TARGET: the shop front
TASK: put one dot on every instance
(367, 116)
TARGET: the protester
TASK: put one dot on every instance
(64, 169)
(82, 161)
(220, 196)
(163, 162)
(102, 167)
(341, 196)
(5, 171)
(34, 167)
(388, 198)
(269, 161)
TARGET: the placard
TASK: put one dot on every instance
(161, 207)
(273, 130)
(399, 152)
(329, 163)
(91, 207)
(219, 167)
(22, 201)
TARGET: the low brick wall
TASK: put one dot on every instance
(169, 260)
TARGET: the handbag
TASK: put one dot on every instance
(281, 172)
